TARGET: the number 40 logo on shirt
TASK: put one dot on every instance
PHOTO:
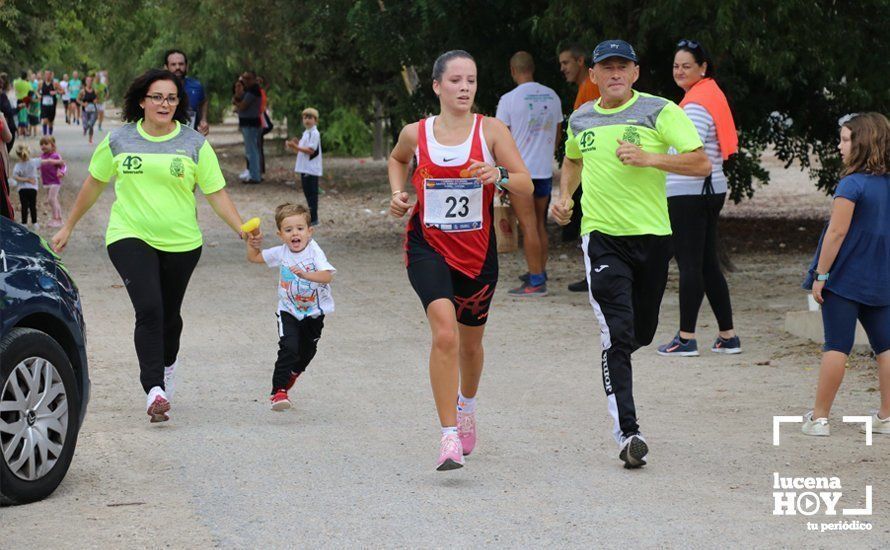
(132, 164)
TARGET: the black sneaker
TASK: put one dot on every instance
(633, 451)
(580, 286)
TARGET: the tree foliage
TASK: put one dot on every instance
(790, 68)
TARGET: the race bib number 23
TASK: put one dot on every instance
(453, 204)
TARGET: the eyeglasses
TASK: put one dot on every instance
(691, 44)
(159, 99)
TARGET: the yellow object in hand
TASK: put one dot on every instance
(251, 226)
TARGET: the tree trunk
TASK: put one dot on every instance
(379, 149)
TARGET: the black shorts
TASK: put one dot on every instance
(433, 279)
(48, 112)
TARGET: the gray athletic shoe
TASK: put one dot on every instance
(633, 451)
(527, 290)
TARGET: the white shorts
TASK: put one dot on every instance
(101, 107)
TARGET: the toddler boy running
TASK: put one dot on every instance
(304, 296)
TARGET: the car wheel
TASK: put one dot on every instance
(39, 404)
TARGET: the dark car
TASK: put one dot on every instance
(44, 383)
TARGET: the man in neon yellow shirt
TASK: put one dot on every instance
(617, 150)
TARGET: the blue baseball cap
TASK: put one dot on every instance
(614, 48)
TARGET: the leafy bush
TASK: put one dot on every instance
(346, 133)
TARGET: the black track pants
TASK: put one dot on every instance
(627, 277)
(297, 345)
(156, 282)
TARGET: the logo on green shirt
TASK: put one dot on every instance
(132, 164)
(631, 135)
(177, 169)
(587, 140)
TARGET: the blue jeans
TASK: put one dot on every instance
(251, 135)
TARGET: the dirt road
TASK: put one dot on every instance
(352, 464)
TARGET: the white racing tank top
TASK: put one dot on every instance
(453, 155)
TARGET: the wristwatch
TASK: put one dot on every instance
(504, 178)
(821, 276)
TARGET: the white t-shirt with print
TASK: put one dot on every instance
(299, 297)
(532, 111)
(311, 139)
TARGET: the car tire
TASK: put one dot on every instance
(20, 347)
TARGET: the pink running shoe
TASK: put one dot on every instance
(451, 456)
(158, 405)
(466, 431)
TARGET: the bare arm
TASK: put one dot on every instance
(204, 126)
(86, 198)
(254, 254)
(569, 180)
(224, 207)
(320, 277)
(397, 168)
(838, 225)
(694, 163)
(506, 154)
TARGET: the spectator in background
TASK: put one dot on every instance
(10, 114)
(247, 105)
(573, 65)
(177, 63)
(265, 122)
(533, 113)
(694, 205)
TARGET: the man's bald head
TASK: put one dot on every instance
(522, 63)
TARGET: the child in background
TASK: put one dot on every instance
(849, 275)
(33, 113)
(24, 174)
(52, 170)
(23, 118)
(304, 296)
(308, 165)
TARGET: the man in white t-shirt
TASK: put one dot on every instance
(533, 113)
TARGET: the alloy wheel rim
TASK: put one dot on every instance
(33, 418)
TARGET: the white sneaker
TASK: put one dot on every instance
(36, 227)
(633, 451)
(157, 405)
(878, 425)
(169, 381)
(818, 426)
(244, 176)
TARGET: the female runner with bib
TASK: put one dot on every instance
(450, 247)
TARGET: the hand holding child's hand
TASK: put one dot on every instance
(255, 240)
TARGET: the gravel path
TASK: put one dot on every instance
(352, 464)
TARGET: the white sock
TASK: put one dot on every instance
(449, 430)
(466, 404)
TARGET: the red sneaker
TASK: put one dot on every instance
(293, 380)
(280, 402)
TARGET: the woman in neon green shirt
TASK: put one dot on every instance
(153, 238)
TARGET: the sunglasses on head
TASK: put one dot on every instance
(691, 44)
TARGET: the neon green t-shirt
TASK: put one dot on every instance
(626, 200)
(155, 184)
(22, 87)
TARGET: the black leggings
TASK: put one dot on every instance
(694, 224)
(156, 282)
(28, 198)
(310, 189)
